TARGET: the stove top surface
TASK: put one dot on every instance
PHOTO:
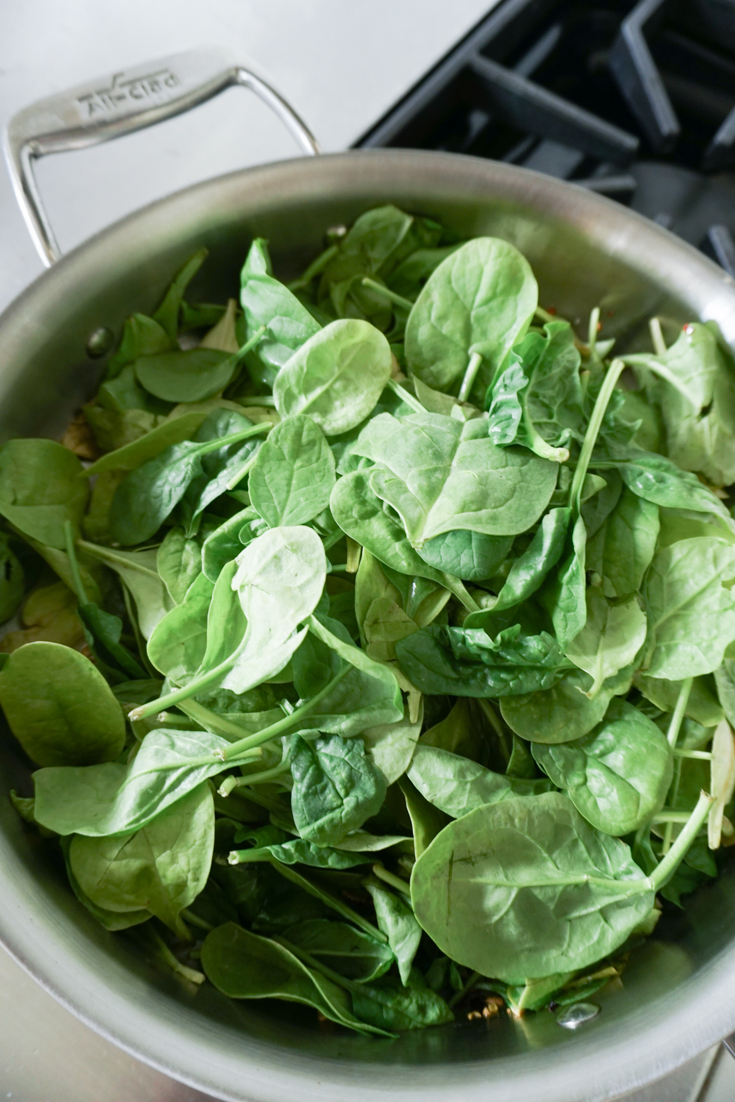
(636, 101)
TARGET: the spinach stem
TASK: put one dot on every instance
(593, 429)
(700, 755)
(174, 963)
(657, 368)
(265, 775)
(394, 881)
(354, 554)
(313, 962)
(219, 725)
(314, 269)
(592, 332)
(242, 471)
(260, 400)
(397, 300)
(469, 377)
(76, 577)
(669, 815)
(678, 714)
(195, 920)
(666, 868)
(337, 568)
(234, 438)
(284, 724)
(657, 337)
(405, 395)
(466, 987)
(330, 900)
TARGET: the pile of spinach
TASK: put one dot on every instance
(382, 659)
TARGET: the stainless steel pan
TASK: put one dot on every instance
(678, 994)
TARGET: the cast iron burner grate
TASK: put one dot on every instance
(636, 101)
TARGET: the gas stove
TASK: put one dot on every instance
(635, 101)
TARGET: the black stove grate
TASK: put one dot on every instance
(636, 101)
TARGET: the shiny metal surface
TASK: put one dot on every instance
(677, 996)
(123, 103)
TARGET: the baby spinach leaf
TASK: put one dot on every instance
(398, 922)
(361, 515)
(439, 474)
(245, 966)
(279, 580)
(219, 465)
(565, 711)
(618, 775)
(358, 701)
(552, 404)
(342, 948)
(336, 787)
(59, 707)
(478, 301)
(179, 641)
(137, 570)
(185, 376)
(390, 746)
(12, 581)
(610, 639)
(436, 661)
(537, 398)
(469, 555)
(336, 377)
(457, 785)
(148, 495)
(103, 631)
(171, 431)
(505, 411)
(40, 489)
(525, 887)
(622, 548)
(566, 594)
(293, 474)
(387, 1004)
(266, 301)
(599, 504)
(110, 920)
(458, 732)
(179, 563)
(722, 781)
(660, 481)
(411, 274)
(223, 544)
(699, 436)
(297, 851)
(690, 607)
(529, 569)
(167, 314)
(362, 662)
(426, 819)
(161, 868)
(141, 336)
(113, 799)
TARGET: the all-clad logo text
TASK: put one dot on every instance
(124, 93)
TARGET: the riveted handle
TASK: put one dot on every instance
(121, 103)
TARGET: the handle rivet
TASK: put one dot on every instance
(99, 342)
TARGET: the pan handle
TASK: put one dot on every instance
(120, 104)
